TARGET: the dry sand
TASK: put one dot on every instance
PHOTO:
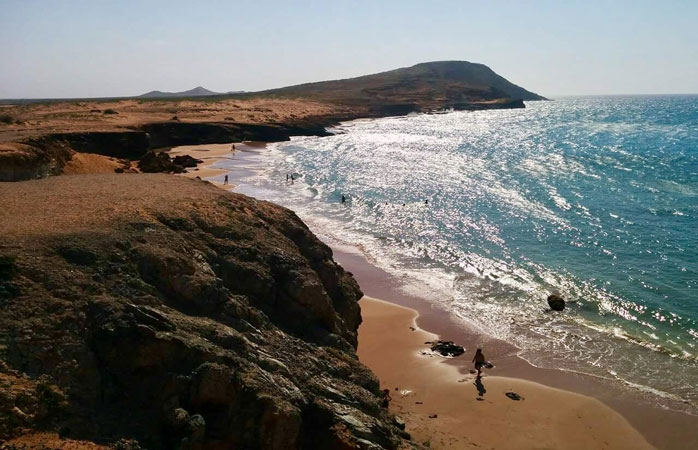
(477, 415)
(83, 163)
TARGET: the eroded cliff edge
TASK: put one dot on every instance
(162, 310)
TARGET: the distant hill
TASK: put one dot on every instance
(439, 84)
(196, 92)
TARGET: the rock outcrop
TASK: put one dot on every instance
(166, 313)
(447, 348)
(28, 160)
(154, 162)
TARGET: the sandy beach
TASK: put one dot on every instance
(209, 154)
(450, 410)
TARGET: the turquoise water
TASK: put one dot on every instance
(596, 198)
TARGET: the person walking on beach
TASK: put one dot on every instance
(344, 199)
(225, 180)
(479, 360)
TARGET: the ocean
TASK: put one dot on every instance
(489, 212)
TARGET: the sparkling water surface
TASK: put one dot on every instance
(594, 197)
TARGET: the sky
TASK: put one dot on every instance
(96, 48)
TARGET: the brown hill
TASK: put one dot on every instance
(440, 84)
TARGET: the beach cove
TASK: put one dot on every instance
(661, 426)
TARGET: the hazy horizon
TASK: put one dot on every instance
(81, 49)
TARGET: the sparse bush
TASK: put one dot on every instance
(175, 118)
(6, 119)
(110, 111)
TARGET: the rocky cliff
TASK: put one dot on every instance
(160, 312)
(47, 155)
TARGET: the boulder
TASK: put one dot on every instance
(556, 302)
(153, 162)
(447, 348)
(186, 161)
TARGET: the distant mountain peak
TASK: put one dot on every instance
(198, 91)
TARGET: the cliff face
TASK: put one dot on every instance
(162, 310)
(47, 155)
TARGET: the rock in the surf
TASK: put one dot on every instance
(556, 302)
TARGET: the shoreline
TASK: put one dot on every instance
(450, 410)
(664, 428)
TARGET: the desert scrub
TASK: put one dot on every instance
(6, 119)
(110, 111)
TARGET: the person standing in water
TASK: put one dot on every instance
(344, 199)
(479, 360)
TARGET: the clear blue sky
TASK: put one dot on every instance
(99, 48)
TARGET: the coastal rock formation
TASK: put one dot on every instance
(170, 134)
(49, 154)
(447, 348)
(186, 161)
(29, 160)
(556, 302)
(165, 313)
(154, 162)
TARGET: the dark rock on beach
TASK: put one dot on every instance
(153, 162)
(447, 348)
(556, 302)
(186, 161)
(151, 311)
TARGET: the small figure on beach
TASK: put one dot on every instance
(287, 178)
(479, 360)
(232, 148)
(386, 399)
(292, 178)
(344, 199)
(426, 202)
(225, 180)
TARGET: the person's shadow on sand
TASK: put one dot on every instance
(480, 388)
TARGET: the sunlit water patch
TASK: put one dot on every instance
(596, 198)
